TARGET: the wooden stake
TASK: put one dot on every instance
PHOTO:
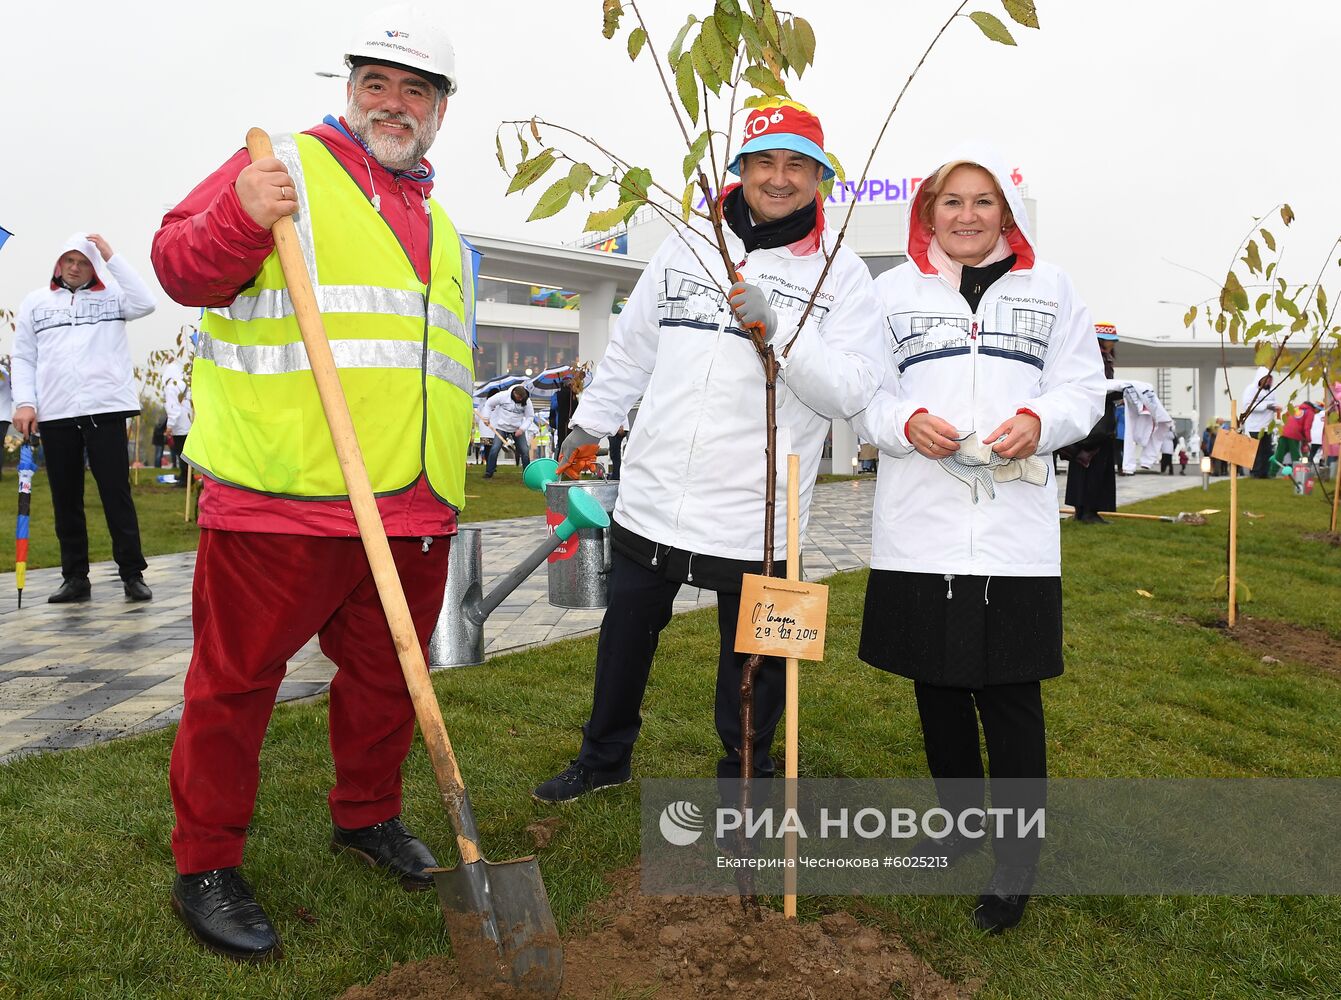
(792, 725)
(1336, 487)
(1233, 526)
(190, 482)
(137, 451)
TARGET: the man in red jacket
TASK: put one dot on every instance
(272, 571)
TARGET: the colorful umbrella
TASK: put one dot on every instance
(552, 378)
(26, 469)
(486, 389)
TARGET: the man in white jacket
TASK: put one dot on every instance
(509, 414)
(691, 496)
(72, 374)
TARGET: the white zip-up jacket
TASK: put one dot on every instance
(71, 355)
(693, 467)
(1029, 345)
(178, 407)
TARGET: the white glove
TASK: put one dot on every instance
(750, 307)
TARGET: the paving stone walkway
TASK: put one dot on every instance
(71, 675)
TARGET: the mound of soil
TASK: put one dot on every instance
(694, 947)
(1284, 641)
(1332, 538)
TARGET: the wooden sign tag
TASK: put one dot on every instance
(1233, 447)
(782, 617)
(1331, 434)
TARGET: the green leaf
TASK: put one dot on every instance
(636, 39)
(1232, 295)
(502, 163)
(754, 45)
(552, 201)
(1322, 303)
(695, 154)
(1286, 214)
(1262, 301)
(702, 63)
(1299, 324)
(610, 217)
(687, 201)
(634, 184)
(525, 146)
(1190, 317)
(1235, 324)
(765, 82)
(686, 83)
(1263, 354)
(991, 26)
(530, 171)
(805, 40)
(678, 45)
(1253, 258)
(837, 167)
(1022, 12)
(729, 18)
(1220, 323)
(611, 12)
(598, 184)
(759, 101)
(1272, 266)
(578, 178)
(1255, 330)
(1269, 240)
(714, 48)
(769, 22)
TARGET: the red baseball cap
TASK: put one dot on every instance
(784, 125)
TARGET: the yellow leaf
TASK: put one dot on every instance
(1145, 593)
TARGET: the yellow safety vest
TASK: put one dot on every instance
(403, 349)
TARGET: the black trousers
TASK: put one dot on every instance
(105, 441)
(1012, 725)
(641, 604)
(1262, 462)
(183, 470)
(1166, 464)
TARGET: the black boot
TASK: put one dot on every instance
(222, 914)
(137, 589)
(72, 590)
(391, 847)
(1002, 903)
(954, 846)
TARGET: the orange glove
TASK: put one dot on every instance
(581, 459)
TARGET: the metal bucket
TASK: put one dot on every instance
(579, 570)
(456, 640)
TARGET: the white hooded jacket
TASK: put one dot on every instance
(693, 466)
(71, 355)
(1028, 346)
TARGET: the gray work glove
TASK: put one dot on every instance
(574, 439)
(750, 306)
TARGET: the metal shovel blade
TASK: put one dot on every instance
(501, 926)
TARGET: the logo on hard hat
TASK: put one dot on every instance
(397, 34)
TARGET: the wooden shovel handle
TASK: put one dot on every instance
(450, 786)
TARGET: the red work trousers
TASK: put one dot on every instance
(256, 600)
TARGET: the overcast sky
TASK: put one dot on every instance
(1149, 131)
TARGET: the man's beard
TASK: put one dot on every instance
(390, 151)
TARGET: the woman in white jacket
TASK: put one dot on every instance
(991, 362)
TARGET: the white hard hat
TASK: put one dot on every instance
(405, 35)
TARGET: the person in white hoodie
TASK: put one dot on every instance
(1259, 394)
(691, 495)
(73, 376)
(992, 365)
(180, 413)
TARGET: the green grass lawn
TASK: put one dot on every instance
(161, 510)
(1148, 692)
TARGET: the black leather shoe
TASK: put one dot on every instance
(391, 847)
(954, 847)
(72, 591)
(137, 589)
(222, 914)
(577, 780)
(1002, 903)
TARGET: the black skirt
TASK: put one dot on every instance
(966, 632)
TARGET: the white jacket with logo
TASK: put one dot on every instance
(1029, 345)
(693, 466)
(71, 355)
